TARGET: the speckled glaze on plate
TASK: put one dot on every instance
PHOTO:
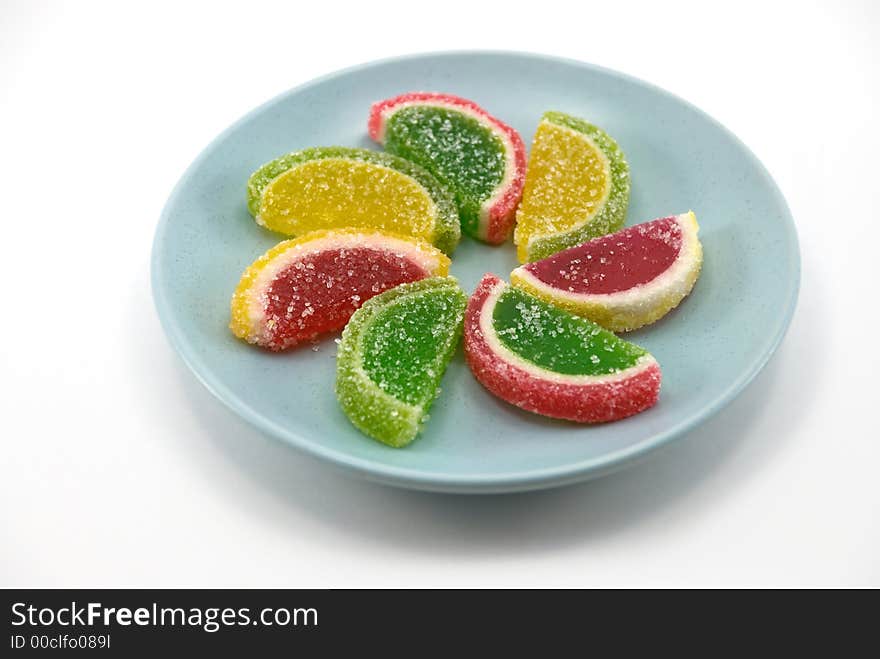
(710, 348)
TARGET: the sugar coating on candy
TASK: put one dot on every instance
(477, 156)
(335, 187)
(614, 263)
(402, 344)
(334, 193)
(577, 187)
(548, 361)
(454, 147)
(309, 286)
(393, 354)
(558, 341)
(624, 280)
(568, 180)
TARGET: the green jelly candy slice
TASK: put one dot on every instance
(557, 340)
(393, 354)
(459, 150)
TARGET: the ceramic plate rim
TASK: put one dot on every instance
(466, 483)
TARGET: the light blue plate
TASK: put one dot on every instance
(680, 159)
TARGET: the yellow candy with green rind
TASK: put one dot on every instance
(338, 187)
(577, 187)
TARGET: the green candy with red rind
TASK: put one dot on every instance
(554, 339)
(480, 158)
(546, 360)
(393, 354)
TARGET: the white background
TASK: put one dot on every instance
(117, 468)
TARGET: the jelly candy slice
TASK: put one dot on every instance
(549, 361)
(307, 286)
(393, 354)
(336, 187)
(577, 187)
(623, 280)
(477, 156)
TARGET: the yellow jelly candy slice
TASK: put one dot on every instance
(331, 188)
(577, 187)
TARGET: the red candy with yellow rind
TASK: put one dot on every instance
(311, 285)
(624, 280)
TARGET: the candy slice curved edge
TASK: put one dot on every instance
(583, 399)
(249, 319)
(609, 218)
(632, 308)
(498, 212)
(373, 411)
(446, 231)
